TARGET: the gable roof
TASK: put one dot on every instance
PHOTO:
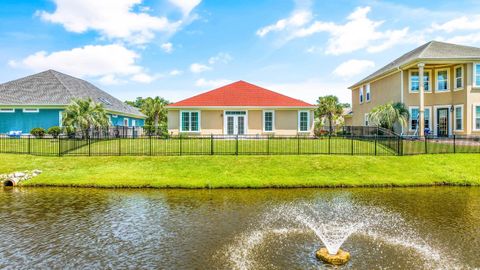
(57, 89)
(240, 94)
(433, 50)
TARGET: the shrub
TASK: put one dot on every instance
(54, 131)
(38, 132)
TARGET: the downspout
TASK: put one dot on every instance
(401, 92)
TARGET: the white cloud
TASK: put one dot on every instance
(203, 83)
(351, 68)
(297, 19)
(112, 64)
(186, 6)
(358, 32)
(143, 78)
(458, 24)
(223, 58)
(175, 72)
(199, 68)
(167, 47)
(113, 19)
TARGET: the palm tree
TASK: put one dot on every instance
(85, 114)
(330, 108)
(389, 114)
(154, 109)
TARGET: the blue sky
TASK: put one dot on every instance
(177, 48)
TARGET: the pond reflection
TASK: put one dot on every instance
(225, 229)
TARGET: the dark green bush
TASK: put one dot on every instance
(54, 131)
(38, 132)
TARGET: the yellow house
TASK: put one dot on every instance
(438, 82)
(240, 108)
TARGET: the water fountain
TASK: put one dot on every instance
(332, 222)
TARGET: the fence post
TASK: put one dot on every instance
(29, 151)
(454, 142)
(376, 144)
(150, 144)
(236, 145)
(399, 146)
(426, 145)
(351, 136)
(89, 146)
(298, 144)
(211, 144)
(330, 144)
(59, 145)
(268, 144)
(120, 145)
(180, 143)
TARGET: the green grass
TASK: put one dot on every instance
(248, 171)
(195, 146)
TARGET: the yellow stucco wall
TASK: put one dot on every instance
(212, 122)
(389, 89)
(382, 91)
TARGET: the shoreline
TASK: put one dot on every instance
(247, 172)
(251, 188)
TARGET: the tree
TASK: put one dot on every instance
(330, 108)
(154, 109)
(389, 114)
(138, 103)
(85, 114)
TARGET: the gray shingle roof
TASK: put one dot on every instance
(54, 88)
(433, 50)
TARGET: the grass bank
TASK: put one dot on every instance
(247, 171)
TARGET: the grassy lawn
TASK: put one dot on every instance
(248, 171)
(195, 146)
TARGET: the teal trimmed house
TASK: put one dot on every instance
(38, 101)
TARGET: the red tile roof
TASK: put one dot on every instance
(241, 94)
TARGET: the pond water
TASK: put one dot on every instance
(394, 228)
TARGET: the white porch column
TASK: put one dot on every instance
(421, 118)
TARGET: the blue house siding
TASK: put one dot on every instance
(23, 121)
(46, 118)
(117, 120)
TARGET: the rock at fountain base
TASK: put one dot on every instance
(340, 258)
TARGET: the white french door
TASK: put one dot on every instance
(235, 122)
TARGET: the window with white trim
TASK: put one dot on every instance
(134, 123)
(414, 81)
(268, 121)
(458, 117)
(365, 118)
(442, 80)
(458, 77)
(415, 117)
(414, 113)
(303, 120)
(477, 117)
(367, 90)
(4, 110)
(189, 121)
(361, 94)
(476, 74)
(28, 110)
(426, 118)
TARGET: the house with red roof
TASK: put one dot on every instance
(241, 108)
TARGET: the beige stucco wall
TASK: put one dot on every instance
(286, 122)
(435, 98)
(382, 91)
(389, 89)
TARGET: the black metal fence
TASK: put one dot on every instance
(201, 145)
(341, 141)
